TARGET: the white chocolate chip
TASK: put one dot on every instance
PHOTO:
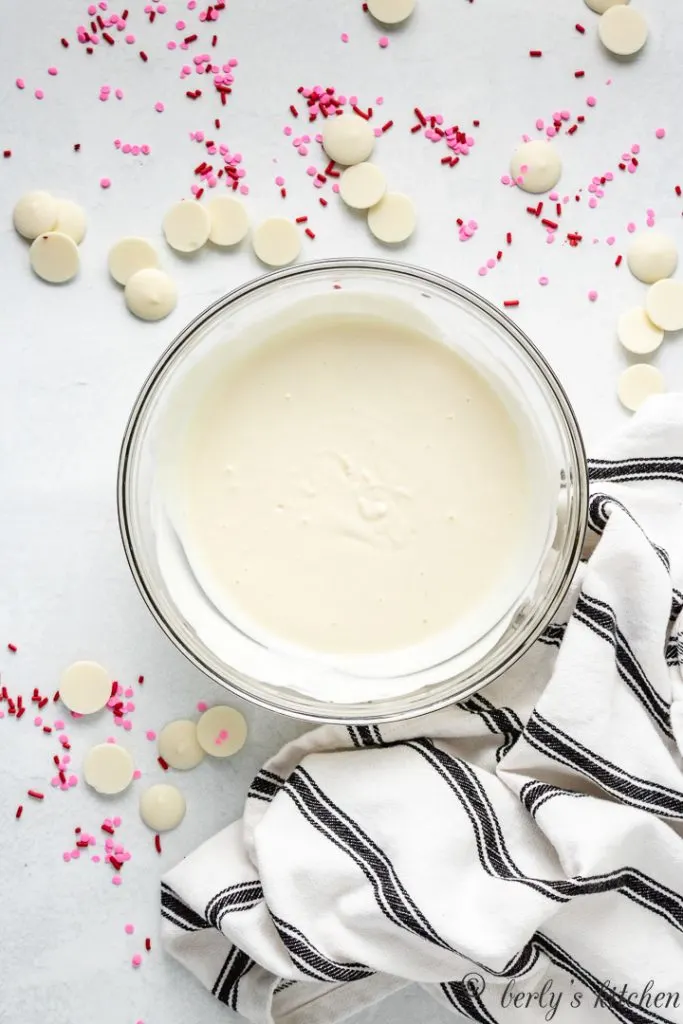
(664, 304)
(178, 745)
(652, 256)
(536, 166)
(229, 220)
(108, 768)
(71, 220)
(162, 807)
(600, 6)
(348, 139)
(151, 294)
(391, 12)
(54, 257)
(187, 226)
(34, 214)
(637, 333)
(129, 255)
(85, 687)
(392, 220)
(222, 731)
(276, 241)
(622, 30)
(637, 383)
(362, 186)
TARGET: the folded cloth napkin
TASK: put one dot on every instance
(521, 850)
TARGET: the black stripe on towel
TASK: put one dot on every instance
(243, 896)
(309, 960)
(500, 721)
(177, 911)
(667, 467)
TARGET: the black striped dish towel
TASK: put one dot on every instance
(521, 851)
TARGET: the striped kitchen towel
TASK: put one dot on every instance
(520, 851)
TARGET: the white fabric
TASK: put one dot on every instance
(529, 837)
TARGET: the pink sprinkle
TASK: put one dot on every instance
(20, 83)
(335, 188)
(127, 725)
(159, 107)
(39, 94)
(105, 183)
(126, 148)
(635, 149)
(592, 202)
(202, 705)
(129, 929)
(592, 295)
(116, 821)
(379, 101)
(287, 130)
(37, 720)
(151, 735)
(378, 133)
(73, 781)
(540, 125)
(137, 960)
(490, 263)
(92, 10)
(543, 281)
(171, 45)
(591, 101)
(180, 25)
(506, 179)
(611, 240)
(345, 37)
(59, 724)
(66, 856)
(130, 39)
(95, 859)
(311, 171)
(134, 151)
(116, 880)
(137, 774)
(482, 271)
(551, 131)
(302, 150)
(383, 42)
(660, 133)
(145, 150)
(630, 227)
(52, 71)
(550, 237)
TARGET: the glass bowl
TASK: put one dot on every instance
(271, 676)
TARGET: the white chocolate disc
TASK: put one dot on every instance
(85, 687)
(54, 257)
(151, 294)
(664, 304)
(229, 220)
(652, 256)
(222, 731)
(362, 186)
(348, 139)
(178, 745)
(276, 241)
(392, 220)
(536, 166)
(637, 333)
(638, 383)
(622, 30)
(600, 6)
(129, 255)
(71, 220)
(187, 226)
(34, 214)
(391, 12)
(108, 768)
(162, 807)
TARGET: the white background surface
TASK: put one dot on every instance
(72, 361)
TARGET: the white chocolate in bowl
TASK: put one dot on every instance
(424, 532)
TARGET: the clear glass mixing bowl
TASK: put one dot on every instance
(498, 346)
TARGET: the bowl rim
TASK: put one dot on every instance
(421, 275)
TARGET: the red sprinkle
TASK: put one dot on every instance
(65, 43)
(82, 844)
(47, 728)
(42, 703)
(36, 795)
(579, 28)
(511, 302)
(283, 193)
(77, 147)
(108, 829)
(535, 53)
(56, 696)
(387, 126)
(12, 647)
(148, 944)
(164, 764)
(499, 255)
(217, 124)
(143, 56)
(20, 811)
(301, 220)
(508, 238)
(677, 190)
(570, 131)
(115, 863)
(617, 262)
(311, 234)
(214, 40)
(190, 39)
(107, 38)
(322, 201)
(549, 224)
(293, 111)
(7, 153)
(157, 844)
(416, 128)
(420, 116)
(445, 160)
(579, 74)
